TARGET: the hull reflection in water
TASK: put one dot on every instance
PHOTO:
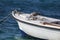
(40, 27)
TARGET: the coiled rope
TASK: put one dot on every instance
(4, 19)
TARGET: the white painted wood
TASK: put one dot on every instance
(37, 31)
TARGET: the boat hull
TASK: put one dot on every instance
(39, 32)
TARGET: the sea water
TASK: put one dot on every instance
(9, 29)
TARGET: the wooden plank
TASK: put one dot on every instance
(46, 23)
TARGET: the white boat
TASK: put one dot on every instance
(38, 26)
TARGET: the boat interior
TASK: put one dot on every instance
(36, 16)
(46, 21)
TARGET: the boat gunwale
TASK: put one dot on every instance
(51, 28)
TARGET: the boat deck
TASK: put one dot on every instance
(24, 17)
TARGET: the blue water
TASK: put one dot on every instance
(9, 29)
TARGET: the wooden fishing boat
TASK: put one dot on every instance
(38, 26)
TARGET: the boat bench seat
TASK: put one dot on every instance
(53, 24)
(56, 22)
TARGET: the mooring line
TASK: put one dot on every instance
(4, 19)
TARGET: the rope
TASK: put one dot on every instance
(4, 19)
